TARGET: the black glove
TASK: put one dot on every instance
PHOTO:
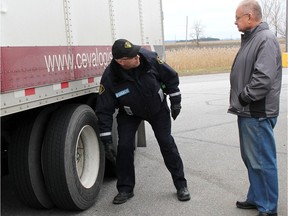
(109, 149)
(175, 110)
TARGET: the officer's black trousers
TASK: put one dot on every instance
(161, 125)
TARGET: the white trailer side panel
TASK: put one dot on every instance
(60, 42)
(90, 22)
(85, 22)
(151, 17)
(32, 23)
(126, 20)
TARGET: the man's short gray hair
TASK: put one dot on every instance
(252, 6)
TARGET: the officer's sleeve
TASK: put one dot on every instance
(105, 108)
(170, 79)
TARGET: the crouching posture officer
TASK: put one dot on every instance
(137, 82)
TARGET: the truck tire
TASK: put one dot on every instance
(73, 158)
(25, 161)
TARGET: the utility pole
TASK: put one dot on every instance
(285, 54)
(187, 29)
(286, 26)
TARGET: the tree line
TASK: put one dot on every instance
(273, 12)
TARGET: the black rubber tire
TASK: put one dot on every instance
(25, 161)
(70, 127)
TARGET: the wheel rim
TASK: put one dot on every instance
(87, 156)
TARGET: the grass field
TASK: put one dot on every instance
(208, 57)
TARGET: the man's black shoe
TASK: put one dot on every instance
(245, 205)
(266, 214)
(183, 194)
(122, 197)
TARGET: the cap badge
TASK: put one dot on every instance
(127, 44)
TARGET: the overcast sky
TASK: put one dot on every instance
(216, 16)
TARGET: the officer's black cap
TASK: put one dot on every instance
(124, 48)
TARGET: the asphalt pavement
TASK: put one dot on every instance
(207, 139)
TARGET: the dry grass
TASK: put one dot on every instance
(211, 57)
(194, 61)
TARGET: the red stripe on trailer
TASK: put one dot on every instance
(91, 80)
(30, 91)
(37, 66)
(64, 85)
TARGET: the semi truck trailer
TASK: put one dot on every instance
(52, 56)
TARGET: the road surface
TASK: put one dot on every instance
(207, 139)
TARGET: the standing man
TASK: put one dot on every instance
(254, 97)
(137, 82)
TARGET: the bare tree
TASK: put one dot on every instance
(197, 31)
(274, 14)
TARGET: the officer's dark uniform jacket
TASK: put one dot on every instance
(137, 92)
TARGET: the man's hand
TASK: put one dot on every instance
(109, 150)
(175, 110)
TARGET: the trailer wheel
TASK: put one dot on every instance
(73, 159)
(25, 161)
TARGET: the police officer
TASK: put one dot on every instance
(136, 83)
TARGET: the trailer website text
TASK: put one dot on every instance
(70, 61)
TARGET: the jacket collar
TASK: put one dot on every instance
(119, 74)
(251, 32)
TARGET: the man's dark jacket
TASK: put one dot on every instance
(138, 92)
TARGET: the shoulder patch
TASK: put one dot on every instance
(101, 89)
(160, 61)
